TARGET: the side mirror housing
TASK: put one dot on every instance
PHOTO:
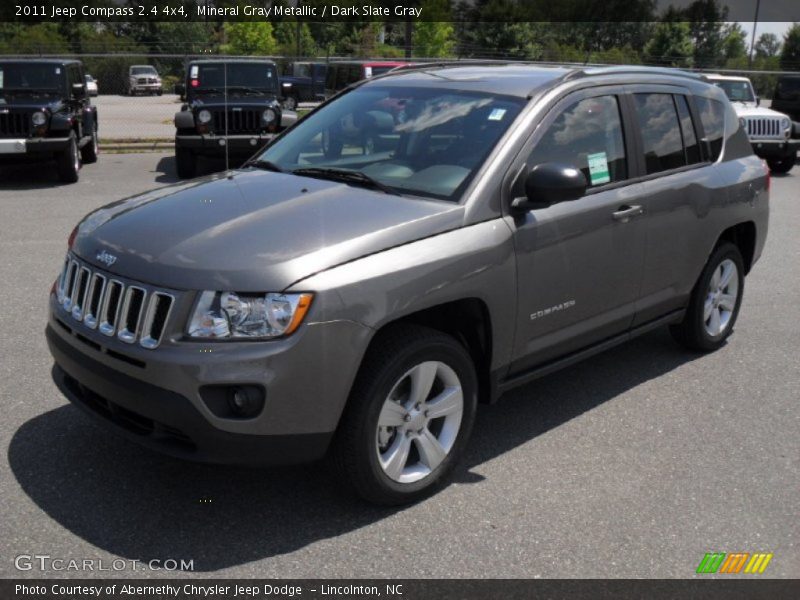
(758, 100)
(551, 183)
(78, 90)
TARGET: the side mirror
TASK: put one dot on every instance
(551, 183)
(78, 90)
(758, 100)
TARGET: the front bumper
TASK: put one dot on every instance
(153, 396)
(10, 148)
(214, 145)
(775, 149)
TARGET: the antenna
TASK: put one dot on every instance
(225, 97)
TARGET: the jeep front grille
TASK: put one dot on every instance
(764, 128)
(15, 124)
(239, 121)
(99, 301)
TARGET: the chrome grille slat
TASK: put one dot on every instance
(130, 312)
(109, 313)
(79, 293)
(155, 319)
(95, 298)
(763, 128)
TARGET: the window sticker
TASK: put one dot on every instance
(598, 168)
(497, 114)
(193, 72)
(58, 70)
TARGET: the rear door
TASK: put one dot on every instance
(579, 263)
(679, 189)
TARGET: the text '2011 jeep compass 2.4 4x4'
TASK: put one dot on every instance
(423, 241)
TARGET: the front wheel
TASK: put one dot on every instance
(409, 416)
(715, 301)
(90, 151)
(781, 165)
(67, 161)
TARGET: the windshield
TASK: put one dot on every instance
(255, 76)
(31, 76)
(737, 91)
(788, 89)
(143, 71)
(419, 141)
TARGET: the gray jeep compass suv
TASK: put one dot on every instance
(421, 242)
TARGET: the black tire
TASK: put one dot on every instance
(390, 359)
(90, 151)
(185, 163)
(781, 166)
(68, 162)
(692, 332)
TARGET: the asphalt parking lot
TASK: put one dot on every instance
(632, 464)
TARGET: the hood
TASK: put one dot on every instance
(755, 111)
(31, 101)
(253, 232)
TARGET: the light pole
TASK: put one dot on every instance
(753, 40)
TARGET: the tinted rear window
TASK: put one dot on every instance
(788, 89)
(661, 132)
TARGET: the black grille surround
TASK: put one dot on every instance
(240, 120)
(15, 124)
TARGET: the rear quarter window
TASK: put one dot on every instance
(661, 132)
(712, 116)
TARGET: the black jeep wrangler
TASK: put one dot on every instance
(45, 113)
(229, 106)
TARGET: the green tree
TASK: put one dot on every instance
(42, 38)
(767, 45)
(287, 34)
(706, 19)
(671, 45)
(790, 54)
(248, 38)
(734, 45)
(435, 39)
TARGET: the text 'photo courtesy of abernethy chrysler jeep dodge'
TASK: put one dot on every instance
(422, 242)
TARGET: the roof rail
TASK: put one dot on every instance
(633, 70)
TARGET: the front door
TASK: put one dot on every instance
(579, 263)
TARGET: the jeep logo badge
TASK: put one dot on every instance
(106, 258)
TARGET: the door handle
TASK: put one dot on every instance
(625, 213)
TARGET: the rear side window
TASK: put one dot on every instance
(692, 148)
(587, 135)
(712, 116)
(661, 132)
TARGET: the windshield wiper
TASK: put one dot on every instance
(247, 90)
(267, 165)
(345, 176)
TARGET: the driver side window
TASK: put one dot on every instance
(588, 136)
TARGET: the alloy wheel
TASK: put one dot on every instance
(721, 297)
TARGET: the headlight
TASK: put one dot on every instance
(38, 118)
(203, 116)
(222, 315)
(269, 115)
(786, 123)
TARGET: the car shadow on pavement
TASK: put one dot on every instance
(29, 176)
(137, 504)
(205, 166)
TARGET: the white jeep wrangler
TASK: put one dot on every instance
(772, 134)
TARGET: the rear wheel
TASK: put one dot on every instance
(715, 301)
(67, 161)
(90, 151)
(781, 165)
(185, 163)
(409, 416)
